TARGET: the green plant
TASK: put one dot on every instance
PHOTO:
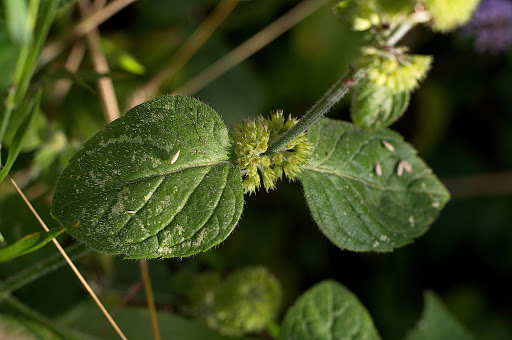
(168, 179)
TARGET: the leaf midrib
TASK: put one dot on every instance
(62, 207)
(361, 180)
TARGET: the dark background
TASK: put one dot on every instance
(459, 120)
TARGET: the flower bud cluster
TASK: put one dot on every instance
(448, 15)
(365, 14)
(252, 138)
(394, 68)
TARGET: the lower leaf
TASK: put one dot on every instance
(29, 243)
(328, 311)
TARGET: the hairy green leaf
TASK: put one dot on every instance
(156, 182)
(375, 107)
(328, 311)
(29, 243)
(437, 323)
(367, 189)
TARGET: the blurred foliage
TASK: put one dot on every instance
(460, 119)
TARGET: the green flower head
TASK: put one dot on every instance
(450, 14)
(251, 139)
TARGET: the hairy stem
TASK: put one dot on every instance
(331, 97)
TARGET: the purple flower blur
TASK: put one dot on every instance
(491, 26)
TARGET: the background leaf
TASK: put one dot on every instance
(29, 244)
(135, 323)
(437, 323)
(375, 107)
(328, 311)
(129, 198)
(22, 329)
(355, 207)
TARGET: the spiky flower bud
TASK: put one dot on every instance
(395, 69)
(269, 179)
(365, 14)
(251, 140)
(449, 14)
(246, 301)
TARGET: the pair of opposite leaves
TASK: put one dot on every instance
(126, 192)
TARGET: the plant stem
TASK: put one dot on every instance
(149, 297)
(339, 89)
(331, 97)
(400, 32)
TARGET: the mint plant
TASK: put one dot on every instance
(169, 179)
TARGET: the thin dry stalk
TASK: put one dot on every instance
(53, 49)
(251, 46)
(144, 270)
(105, 85)
(183, 55)
(70, 263)
(72, 64)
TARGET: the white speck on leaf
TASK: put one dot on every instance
(405, 165)
(175, 157)
(378, 169)
(388, 146)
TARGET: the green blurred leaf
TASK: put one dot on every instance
(35, 133)
(327, 311)
(375, 107)
(354, 206)
(19, 137)
(437, 323)
(135, 324)
(124, 60)
(18, 21)
(133, 195)
(29, 244)
(19, 329)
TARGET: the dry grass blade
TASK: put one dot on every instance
(105, 85)
(187, 50)
(251, 46)
(72, 64)
(70, 263)
(53, 49)
(149, 297)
